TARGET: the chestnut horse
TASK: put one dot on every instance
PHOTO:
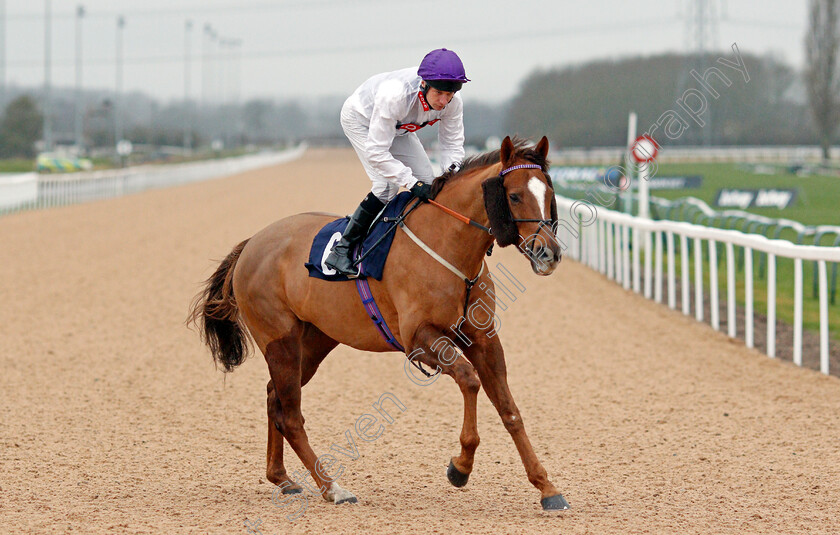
(296, 320)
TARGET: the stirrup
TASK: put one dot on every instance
(354, 274)
(335, 259)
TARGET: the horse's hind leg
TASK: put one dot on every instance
(284, 358)
(275, 471)
(314, 348)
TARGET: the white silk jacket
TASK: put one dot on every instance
(392, 104)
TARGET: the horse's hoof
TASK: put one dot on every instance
(455, 476)
(349, 499)
(338, 495)
(555, 503)
(292, 490)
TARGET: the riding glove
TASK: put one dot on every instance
(422, 191)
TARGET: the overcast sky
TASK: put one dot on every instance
(294, 48)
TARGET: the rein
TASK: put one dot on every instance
(460, 217)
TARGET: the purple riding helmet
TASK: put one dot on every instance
(443, 70)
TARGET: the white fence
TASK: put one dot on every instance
(672, 153)
(697, 206)
(17, 190)
(33, 191)
(613, 243)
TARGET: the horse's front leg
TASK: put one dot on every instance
(488, 358)
(460, 467)
(438, 353)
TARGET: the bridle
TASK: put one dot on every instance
(464, 219)
(503, 172)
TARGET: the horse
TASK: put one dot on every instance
(503, 197)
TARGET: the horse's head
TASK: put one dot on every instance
(521, 207)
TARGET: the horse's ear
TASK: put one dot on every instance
(498, 211)
(542, 147)
(507, 152)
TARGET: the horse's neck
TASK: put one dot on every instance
(465, 196)
(459, 243)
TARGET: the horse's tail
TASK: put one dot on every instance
(215, 314)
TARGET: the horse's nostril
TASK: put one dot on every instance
(551, 256)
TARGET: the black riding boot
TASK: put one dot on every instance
(340, 259)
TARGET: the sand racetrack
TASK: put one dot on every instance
(113, 418)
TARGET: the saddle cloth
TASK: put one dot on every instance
(374, 264)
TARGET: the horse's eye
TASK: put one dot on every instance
(514, 197)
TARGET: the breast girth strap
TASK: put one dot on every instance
(467, 281)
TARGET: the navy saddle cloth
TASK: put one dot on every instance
(373, 265)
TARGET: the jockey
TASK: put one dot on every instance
(380, 119)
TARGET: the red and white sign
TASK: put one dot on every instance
(644, 149)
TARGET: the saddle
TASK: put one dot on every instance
(374, 263)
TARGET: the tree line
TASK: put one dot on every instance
(588, 105)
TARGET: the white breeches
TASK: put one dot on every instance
(405, 148)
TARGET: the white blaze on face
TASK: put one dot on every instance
(538, 187)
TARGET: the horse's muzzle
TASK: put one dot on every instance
(544, 260)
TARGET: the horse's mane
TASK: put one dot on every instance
(522, 149)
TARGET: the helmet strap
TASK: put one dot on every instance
(425, 91)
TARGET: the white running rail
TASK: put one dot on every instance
(607, 245)
(677, 153)
(31, 191)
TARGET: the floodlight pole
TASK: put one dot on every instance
(80, 13)
(48, 141)
(187, 107)
(2, 55)
(118, 125)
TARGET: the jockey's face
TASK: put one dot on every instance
(438, 99)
